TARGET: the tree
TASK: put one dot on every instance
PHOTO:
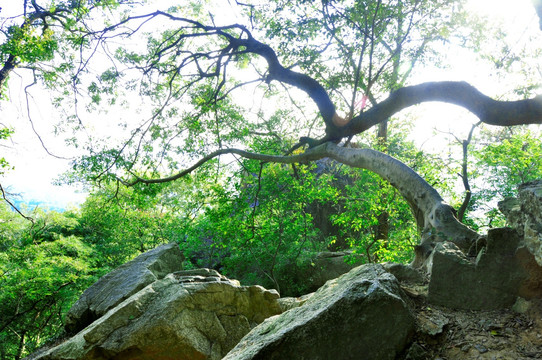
(194, 64)
(43, 269)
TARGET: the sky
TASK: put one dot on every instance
(35, 170)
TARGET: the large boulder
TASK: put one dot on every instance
(508, 265)
(118, 285)
(360, 315)
(326, 265)
(490, 281)
(406, 274)
(525, 215)
(193, 314)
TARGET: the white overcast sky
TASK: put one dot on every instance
(35, 170)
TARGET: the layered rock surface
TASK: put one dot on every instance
(507, 265)
(360, 315)
(491, 281)
(525, 215)
(193, 314)
(113, 288)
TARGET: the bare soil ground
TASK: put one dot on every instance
(448, 334)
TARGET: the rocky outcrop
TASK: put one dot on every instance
(147, 309)
(113, 288)
(490, 281)
(404, 273)
(360, 315)
(327, 265)
(507, 263)
(525, 215)
(196, 314)
(288, 303)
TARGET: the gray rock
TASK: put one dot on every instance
(113, 288)
(530, 286)
(491, 281)
(360, 315)
(511, 208)
(288, 303)
(525, 215)
(404, 273)
(187, 315)
(328, 265)
(530, 197)
(521, 305)
(431, 323)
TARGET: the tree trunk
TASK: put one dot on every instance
(22, 346)
(435, 219)
(383, 226)
(8, 67)
(382, 229)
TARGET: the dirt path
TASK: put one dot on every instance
(447, 334)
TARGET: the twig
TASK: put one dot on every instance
(13, 206)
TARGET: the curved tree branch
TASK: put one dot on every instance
(9, 65)
(4, 196)
(310, 155)
(465, 174)
(435, 219)
(488, 110)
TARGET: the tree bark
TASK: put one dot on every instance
(435, 219)
(465, 176)
(8, 67)
(489, 111)
(538, 7)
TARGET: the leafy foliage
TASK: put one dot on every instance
(506, 160)
(41, 274)
(5, 133)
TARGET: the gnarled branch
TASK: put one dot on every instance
(435, 219)
(488, 110)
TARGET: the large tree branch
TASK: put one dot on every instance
(280, 73)
(9, 65)
(435, 219)
(488, 110)
(241, 43)
(310, 155)
(538, 7)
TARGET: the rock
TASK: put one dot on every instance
(196, 314)
(481, 348)
(525, 215)
(113, 288)
(521, 305)
(531, 285)
(492, 281)
(326, 266)
(360, 315)
(530, 197)
(288, 303)
(511, 208)
(404, 273)
(431, 323)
